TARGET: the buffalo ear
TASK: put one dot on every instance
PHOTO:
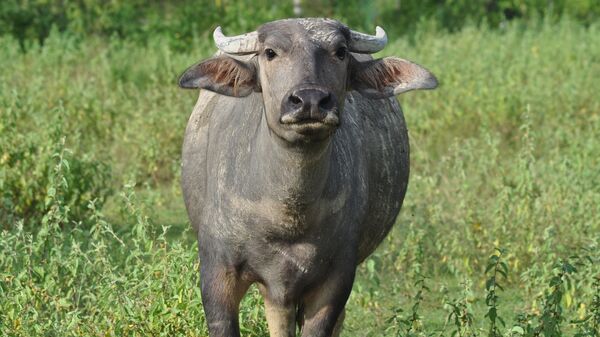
(223, 75)
(389, 76)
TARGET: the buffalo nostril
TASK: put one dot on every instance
(295, 100)
(326, 102)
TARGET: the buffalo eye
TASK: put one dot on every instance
(341, 53)
(270, 53)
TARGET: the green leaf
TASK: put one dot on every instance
(569, 268)
(517, 329)
(583, 320)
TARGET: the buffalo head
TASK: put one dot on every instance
(304, 68)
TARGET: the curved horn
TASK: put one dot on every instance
(367, 44)
(239, 44)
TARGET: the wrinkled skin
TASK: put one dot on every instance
(293, 201)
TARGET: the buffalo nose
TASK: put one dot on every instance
(307, 104)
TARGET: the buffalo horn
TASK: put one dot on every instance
(238, 44)
(367, 44)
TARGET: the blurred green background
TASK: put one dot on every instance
(504, 190)
(185, 20)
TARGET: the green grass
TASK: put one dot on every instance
(505, 153)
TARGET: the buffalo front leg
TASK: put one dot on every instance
(324, 306)
(222, 291)
(281, 317)
(339, 324)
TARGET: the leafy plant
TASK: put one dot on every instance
(38, 172)
(589, 326)
(461, 314)
(552, 317)
(412, 325)
(496, 267)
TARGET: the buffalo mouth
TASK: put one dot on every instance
(309, 126)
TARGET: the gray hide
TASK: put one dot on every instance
(294, 216)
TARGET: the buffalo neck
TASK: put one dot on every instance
(291, 173)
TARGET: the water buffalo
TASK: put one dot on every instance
(295, 165)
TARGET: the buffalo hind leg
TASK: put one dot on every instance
(324, 306)
(222, 291)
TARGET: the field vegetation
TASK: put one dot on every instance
(499, 234)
